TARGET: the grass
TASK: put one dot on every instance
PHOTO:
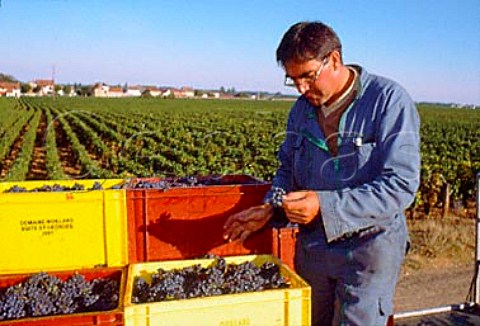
(441, 242)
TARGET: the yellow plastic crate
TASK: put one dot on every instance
(289, 306)
(51, 231)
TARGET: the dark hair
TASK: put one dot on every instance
(306, 41)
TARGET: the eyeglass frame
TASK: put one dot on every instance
(309, 80)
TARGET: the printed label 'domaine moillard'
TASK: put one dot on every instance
(47, 226)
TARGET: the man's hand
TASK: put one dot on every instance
(301, 206)
(244, 223)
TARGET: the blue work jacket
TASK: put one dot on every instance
(366, 187)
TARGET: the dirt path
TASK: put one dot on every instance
(38, 167)
(68, 159)
(433, 287)
(14, 152)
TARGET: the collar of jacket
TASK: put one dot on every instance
(359, 86)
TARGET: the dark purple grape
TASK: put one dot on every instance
(216, 279)
(277, 196)
(44, 295)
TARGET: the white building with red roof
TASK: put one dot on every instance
(43, 87)
(10, 89)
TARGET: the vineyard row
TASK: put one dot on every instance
(48, 138)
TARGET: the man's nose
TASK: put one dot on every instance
(303, 87)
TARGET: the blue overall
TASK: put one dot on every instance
(352, 252)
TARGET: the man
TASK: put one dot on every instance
(350, 165)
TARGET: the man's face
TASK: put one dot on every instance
(312, 78)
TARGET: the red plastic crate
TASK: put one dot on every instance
(390, 321)
(184, 223)
(104, 318)
(285, 245)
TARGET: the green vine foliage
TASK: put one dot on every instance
(144, 137)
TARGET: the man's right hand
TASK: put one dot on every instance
(244, 223)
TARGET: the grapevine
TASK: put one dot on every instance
(113, 138)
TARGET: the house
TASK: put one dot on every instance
(210, 94)
(100, 90)
(227, 96)
(152, 91)
(115, 91)
(43, 86)
(10, 89)
(170, 92)
(70, 91)
(184, 92)
(187, 92)
(133, 91)
(104, 90)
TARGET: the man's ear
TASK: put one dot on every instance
(336, 59)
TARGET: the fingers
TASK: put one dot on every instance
(231, 220)
(294, 200)
(301, 206)
(242, 224)
(295, 196)
(244, 235)
(238, 231)
(233, 232)
(241, 217)
(236, 224)
(295, 216)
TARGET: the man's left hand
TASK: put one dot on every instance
(301, 206)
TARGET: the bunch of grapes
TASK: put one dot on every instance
(277, 196)
(44, 295)
(217, 279)
(55, 188)
(190, 181)
(167, 183)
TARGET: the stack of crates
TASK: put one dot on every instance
(118, 228)
(184, 223)
(61, 233)
(168, 229)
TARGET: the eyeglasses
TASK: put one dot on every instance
(307, 78)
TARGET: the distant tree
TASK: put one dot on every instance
(147, 94)
(222, 90)
(242, 95)
(67, 89)
(26, 88)
(7, 78)
(37, 89)
(57, 88)
(86, 90)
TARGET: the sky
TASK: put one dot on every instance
(431, 47)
